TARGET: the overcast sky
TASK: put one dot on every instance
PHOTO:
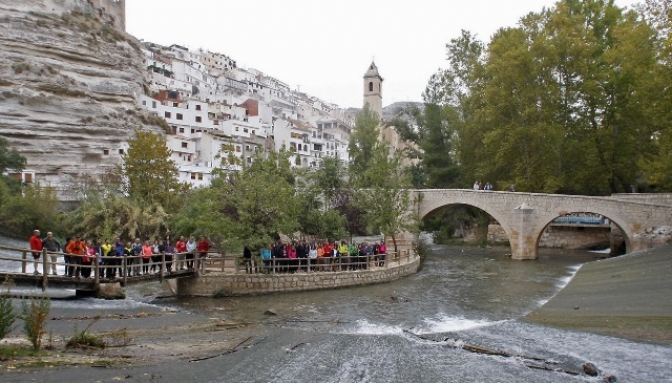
(323, 48)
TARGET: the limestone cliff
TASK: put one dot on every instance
(69, 77)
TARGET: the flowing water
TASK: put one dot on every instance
(473, 296)
(405, 331)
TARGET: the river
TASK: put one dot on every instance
(470, 295)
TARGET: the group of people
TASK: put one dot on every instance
(488, 186)
(315, 256)
(142, 258)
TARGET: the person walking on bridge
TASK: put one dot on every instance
(36, 247)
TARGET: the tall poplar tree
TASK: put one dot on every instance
(150, 173)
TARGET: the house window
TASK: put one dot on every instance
(154, 104)
(179, 116)
(238, 149)
(176, 104)
(199, 119)
(106, 152)
(237, 128)
(216, 122)
(121, 151)
(245, 130)
(200, 176)
(181, 130)
(166, 114)
(370, 86)
(193, 176)
(185, 144)
(247, 148)
(193, 131)
(144, 103)
(198, 107)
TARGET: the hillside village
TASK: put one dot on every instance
(221, 115)
(213, 113)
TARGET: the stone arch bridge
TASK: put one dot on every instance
(524, 216)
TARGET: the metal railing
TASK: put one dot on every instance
(237, 264)
(122, 268)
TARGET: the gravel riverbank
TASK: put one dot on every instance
(628, 297)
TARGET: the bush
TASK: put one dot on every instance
(84, 339)
(7, 316)
(34, 316)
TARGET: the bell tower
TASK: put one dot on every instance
(373, 89)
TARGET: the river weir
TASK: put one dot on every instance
(428, 327)
(415, 329)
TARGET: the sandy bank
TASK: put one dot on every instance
(628, 297)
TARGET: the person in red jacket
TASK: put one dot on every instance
(181, 250)
(202, 250)
(36, 246)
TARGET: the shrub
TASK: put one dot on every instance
(85, 339)
(34, 313)
(7, 316)
(118, 338)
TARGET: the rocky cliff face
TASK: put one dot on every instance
(68, 87)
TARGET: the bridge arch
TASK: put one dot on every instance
(430, 206)
(524, 216)
(614, 217)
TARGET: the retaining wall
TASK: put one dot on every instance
(221, 284)
(562, 236)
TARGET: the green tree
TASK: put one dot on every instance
(10, 159)
(656, 164)
(247, 208)
(386, 199)
(363, 140)
(150, 173)
(35, 207)
(107, 216)
(561, 103)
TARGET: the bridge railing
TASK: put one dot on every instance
(101, 268)
(237, 264)
(115, 268)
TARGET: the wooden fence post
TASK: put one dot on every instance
(23, 263)
(45, 270)
(96, 277)
(124, 263)
(162, 267)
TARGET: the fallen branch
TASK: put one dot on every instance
(230, 351)
(492, 352)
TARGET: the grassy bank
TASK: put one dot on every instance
(628, 297)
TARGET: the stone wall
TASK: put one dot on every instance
(652, 198)
(221, 284)
(573, 237)
(562, 236)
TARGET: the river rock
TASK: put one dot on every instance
(656, 236)
(270, 312)
(69, 80)
(590, 369)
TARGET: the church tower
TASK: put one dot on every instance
(373, 90)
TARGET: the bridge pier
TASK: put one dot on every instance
(523, 233)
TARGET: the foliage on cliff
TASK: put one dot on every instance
(23, 207)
